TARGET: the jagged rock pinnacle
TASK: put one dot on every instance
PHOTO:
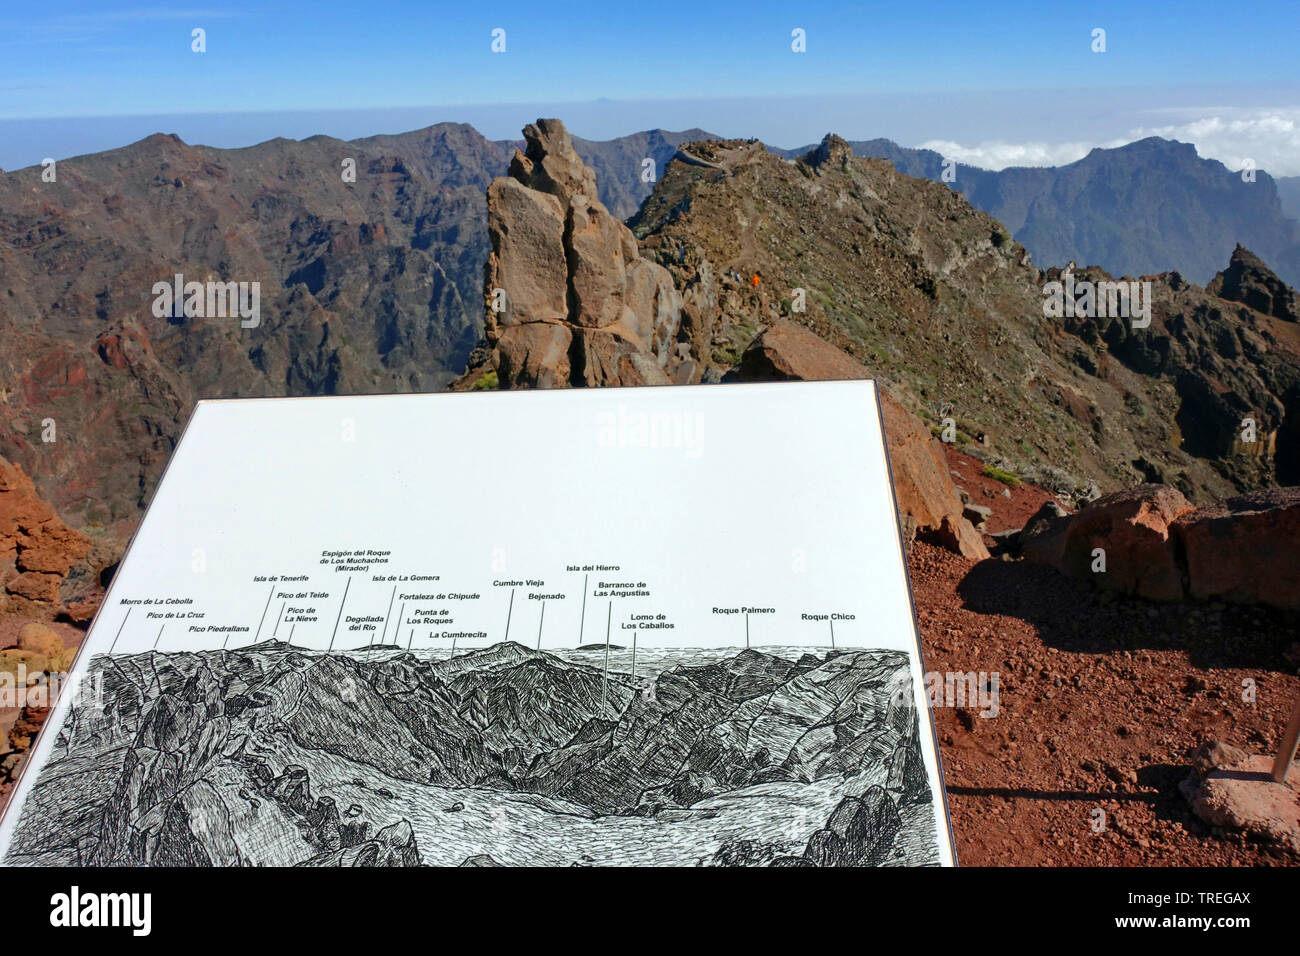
(832, 150)
(570, 299)
(1248, 281)
(550, 164)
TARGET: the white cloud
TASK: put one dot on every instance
(998, 154)
(1271, 138)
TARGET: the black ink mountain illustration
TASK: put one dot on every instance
(275, 755)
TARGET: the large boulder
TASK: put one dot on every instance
(1245, 549)
(293, 789)
(37, 550)
(785, 351)
(922, 483)
(1133, 530)
(607, 316)
(397, 845)
(1239, 793)
(1157, 546)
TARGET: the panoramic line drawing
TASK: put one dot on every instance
(275, 755)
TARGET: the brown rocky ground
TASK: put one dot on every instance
(1011, 506)
(1102, 700)
(934, 298)
(17, 727)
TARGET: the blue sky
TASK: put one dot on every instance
(964, 66)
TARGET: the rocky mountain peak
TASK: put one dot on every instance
(550, 164)
(1249, 281)
(570, 299)
(833, 151)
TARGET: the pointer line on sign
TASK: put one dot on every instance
(397, 628)
(283, 605)
(159, 637)
(604, 678)
(582, 621)
(540, 622)
(387, 613)
(337, 619)
(509, 612)
(269, 595)
(119, 633)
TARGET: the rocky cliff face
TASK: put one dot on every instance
(912, 286)
(830, 266)
(1149, 206)
(37, 550)
(375, 285)
(571, 300)
(1215, 379)
(937, 299)
(367, 284)
(1248, 281)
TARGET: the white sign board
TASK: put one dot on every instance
(593, 626)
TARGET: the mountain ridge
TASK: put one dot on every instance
(373, 286)
(1214, 209)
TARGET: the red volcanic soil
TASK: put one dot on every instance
(10, 625)
(1012, 507)
(1101, 700)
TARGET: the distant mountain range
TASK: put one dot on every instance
(1151, 206)
(1147, 207)
(376, 285)
(1288, 193)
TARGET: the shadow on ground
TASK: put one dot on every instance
(1076, 616)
